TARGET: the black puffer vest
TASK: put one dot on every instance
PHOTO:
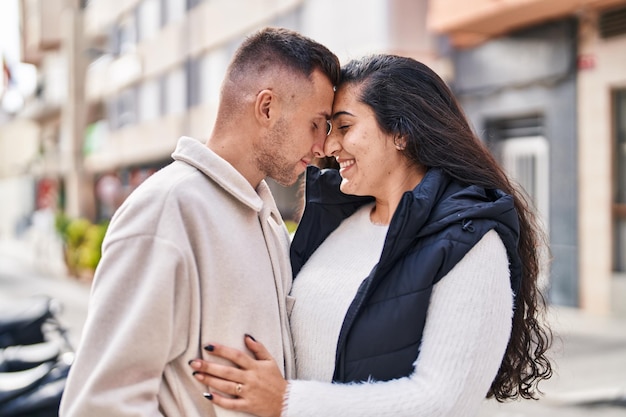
(434, 226)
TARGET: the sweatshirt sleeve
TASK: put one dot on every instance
(127, 340)
(464, 340)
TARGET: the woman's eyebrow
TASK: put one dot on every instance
(342, 113)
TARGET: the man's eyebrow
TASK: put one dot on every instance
(342, 113)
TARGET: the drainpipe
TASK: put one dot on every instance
(73, 113)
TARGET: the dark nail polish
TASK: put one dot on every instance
(209, 348)
(194, 373)
(250, 336)
(190, 360)
(208, 395)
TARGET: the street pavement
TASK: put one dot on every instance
(24, 275)
(589, 352)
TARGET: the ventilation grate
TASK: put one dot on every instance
(613, 23)
(531, 125)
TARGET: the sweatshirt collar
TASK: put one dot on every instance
(198, 155)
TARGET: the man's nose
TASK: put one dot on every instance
(318, 145)
(331, 145)
(318, 148)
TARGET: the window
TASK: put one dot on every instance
(173, 10)
(148, 101)
(123, 35)
(193, 3)
(111, 113)
(127, 107)
(212, 71)
(121, 109)
(127, 34)
(523, 150)
(148, 18)
(194, 86)
(175, 85)
(619, 199)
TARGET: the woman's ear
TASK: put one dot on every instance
(399, 142)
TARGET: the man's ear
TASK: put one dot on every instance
(263, 106)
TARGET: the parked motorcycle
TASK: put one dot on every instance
(35, 358)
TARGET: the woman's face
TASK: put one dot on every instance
(370, 163)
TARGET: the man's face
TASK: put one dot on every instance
(298, 135)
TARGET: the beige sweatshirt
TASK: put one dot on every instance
(195, 255)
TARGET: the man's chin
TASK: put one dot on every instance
(289, 180)
(285, 182)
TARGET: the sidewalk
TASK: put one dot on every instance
(589, 352)
(25, 274)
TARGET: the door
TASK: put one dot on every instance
(525, 160)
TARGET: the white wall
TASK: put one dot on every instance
(350, 28)
(16, 205)
(606, 72)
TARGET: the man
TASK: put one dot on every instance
(199, 251)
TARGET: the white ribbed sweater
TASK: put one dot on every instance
(464, 340)
(325, 288)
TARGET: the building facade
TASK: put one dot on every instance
(543, 83)
(122, 80)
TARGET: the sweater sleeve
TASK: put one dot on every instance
(127, 339)
(464, 340)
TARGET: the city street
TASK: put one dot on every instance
(590, 352)
(590, 373)
(22, 277)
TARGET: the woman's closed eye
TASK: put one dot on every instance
(343, 128)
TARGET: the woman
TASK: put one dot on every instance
(416, 267)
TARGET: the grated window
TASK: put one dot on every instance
(613, 23)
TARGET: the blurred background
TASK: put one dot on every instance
(95, 93)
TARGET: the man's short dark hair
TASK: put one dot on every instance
(271, 46)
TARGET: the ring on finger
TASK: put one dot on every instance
(238, 389)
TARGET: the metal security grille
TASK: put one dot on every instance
(612, 23)
(526, 126)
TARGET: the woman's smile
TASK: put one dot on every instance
(345, 164)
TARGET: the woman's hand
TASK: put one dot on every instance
(256, 386)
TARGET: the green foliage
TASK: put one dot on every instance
(76, 232)
(83, 243)
(61, 222)
(291, 226)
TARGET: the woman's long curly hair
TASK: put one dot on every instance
(412, 102)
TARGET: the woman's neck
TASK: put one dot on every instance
(386, 204)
